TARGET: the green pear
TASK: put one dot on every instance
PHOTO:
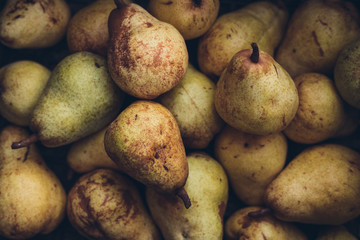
(33, 24)
(255, 94)
(321, 185)
(317, 31)
(346, 77)
(207, 186)
(192, 104)
(335, 233)
(87, 29)
(104, 204)
(321, 111)
(250, 161)
(21, 84)
(145, 141)
(79, 99)
(33, 200)
(89, 153)
(192, 18)
(146, 57)
(240, 226)
(262, 22)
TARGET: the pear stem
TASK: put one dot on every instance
(259, 213)
(255, 54)
(184, 196)
(25, 142)
(122, 3)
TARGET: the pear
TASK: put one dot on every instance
(317, 31)
(33, 200)
(145, 141)
(250, 161)
(335, 233)
(192, 18)
(87, 29)
(33, 24)
(146, 57)
(262, 22)
(346, 75)
(321, 111)
(89, 153)
(104, 204)
(321, 185)
(79, 99)
(208, 187)
(255, 94)
(21, 84)
(192, 104)
(240, 226)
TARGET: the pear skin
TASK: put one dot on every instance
(145, 141)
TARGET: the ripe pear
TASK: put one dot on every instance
(316, 33)
(255, 94)
(239, 226)
(192, 104)
(89, 153)
(33, 24)
(208, 187)
(145, 141)
(192, 18)
(146, 57)
(250, 161)
(32, 198)
(87, 29)
(321, 185)
(346, 77)
(104, 204)
(21, 84)
(262, 22)
(335, 233)
(79, 99)
(321, 111)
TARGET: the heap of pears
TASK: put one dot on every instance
(187, 119)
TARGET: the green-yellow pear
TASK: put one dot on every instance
(79, 99)
(145, 141)
(33, 200)
(146, 57)
(89, 153)
(317, 31)
(87, 29)
(262, 22)
(33, 24)
(250, 161)
(192, 104)
(321, 185)
(255, 94)
(239, 226)
(346, 73)
(321, 111)
(107, 205)
(207, 186)
(21, 84)
(191, 17)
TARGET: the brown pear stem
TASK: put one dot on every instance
(259, 213)
(25, 142)
(181, 193)
(122, 3)
(255, 54)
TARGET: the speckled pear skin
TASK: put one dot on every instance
(321, 185)
(79, 100)
(104, 204)
(146, 57)
(145, 141)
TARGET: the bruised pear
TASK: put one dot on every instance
(255, 94)
(145, 141)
